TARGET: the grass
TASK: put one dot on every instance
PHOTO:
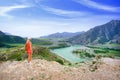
(60, 61)
(42, 41)
(83, 54)
(105, 52)
(95, 64)
(60, 45)
(11, 54)
(18, 53)
(16, 45)
(101, 51)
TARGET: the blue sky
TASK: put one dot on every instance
(35, 18)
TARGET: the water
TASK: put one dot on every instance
(66, 53)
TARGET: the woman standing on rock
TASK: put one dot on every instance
(28, 49)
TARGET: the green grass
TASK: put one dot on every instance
(111, 53)
(18, 53)
(105, 52)
(16, 45)
(10, 45)
(60, 45)
(42, 41)
(60, 61)
(101, 51)
(11, 54)
(83, 54)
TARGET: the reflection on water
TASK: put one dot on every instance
(67, 53)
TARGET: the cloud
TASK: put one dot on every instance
(96, 5)
(36, 28)
(65, 13)
(4, 10)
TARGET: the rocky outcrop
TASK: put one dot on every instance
(108, 69)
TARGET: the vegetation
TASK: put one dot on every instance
(83, 53)
(11, 39)
(18, 53)
(101, 51)
(95, 63)
(7, 40)
(60, 45)
(42, 41)
(60, 61)
(4, 45)
(11, 54)
(105, 51)
(10, 45)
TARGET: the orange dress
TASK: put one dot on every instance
(28, 47)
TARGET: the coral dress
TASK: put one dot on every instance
(28, 47)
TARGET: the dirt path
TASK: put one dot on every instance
(109, 69)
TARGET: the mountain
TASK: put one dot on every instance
(62, 35)
(1, 33)
(109, 32)
(7, 33)
(10, 39)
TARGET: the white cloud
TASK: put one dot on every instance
(65, 13)
(40, 27)
(96, 5)
(37, 28)
(4, 10)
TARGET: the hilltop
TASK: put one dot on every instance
(107, 69)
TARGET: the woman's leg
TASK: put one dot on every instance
(29, 57)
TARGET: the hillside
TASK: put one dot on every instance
(62, 35)
(109, 32)
(108, 69)
(5, 39)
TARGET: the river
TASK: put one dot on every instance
(66, 53)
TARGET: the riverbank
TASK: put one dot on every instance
(80, 53)
(108, 69)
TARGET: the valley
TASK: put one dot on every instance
(90, 53)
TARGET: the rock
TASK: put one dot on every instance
(50, 70)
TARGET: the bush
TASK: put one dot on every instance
(60, 61)
(60, 45)
(83, 54)
(12, 54)
(38, 53)
(3, 57)
(101, 51)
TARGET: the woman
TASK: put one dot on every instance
(28, 49)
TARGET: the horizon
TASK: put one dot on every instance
(35, 18)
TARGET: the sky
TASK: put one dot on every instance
(35, 18)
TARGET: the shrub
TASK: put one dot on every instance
(101, 50)
(60, 61)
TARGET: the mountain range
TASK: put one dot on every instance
(109, 32)
(65, 35)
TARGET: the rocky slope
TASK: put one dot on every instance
(107, 69)
(109, 32)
